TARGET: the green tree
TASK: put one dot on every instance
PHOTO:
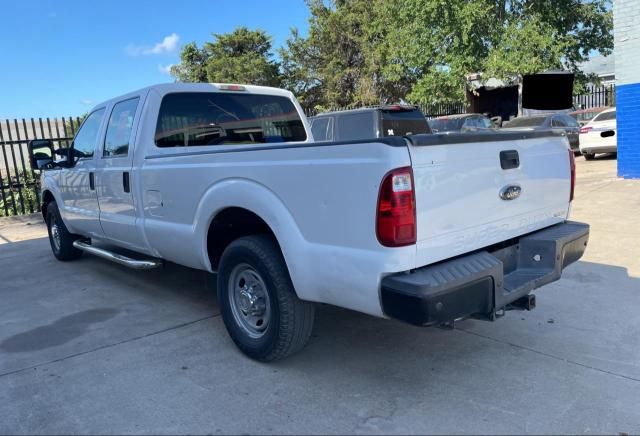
(338, 63)
(443, 41)
(372, 51)
(242, 56)
(192, 66)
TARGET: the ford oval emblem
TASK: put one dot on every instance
(510, 192)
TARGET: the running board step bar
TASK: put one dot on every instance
(117, 258)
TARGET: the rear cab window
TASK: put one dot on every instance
(605, 116)
(188, 119)
(402, 122)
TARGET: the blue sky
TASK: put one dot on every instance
(59, 58)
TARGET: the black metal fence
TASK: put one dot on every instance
(19, 190)
(596, 97)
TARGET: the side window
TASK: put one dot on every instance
(86, 139)
(355, 126)
(320, 128)
(116, 142)
(557, 122)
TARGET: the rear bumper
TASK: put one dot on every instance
(590, 149)
(481, 283)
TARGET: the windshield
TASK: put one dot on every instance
(209, 118)
(400, 123)
(526, 122)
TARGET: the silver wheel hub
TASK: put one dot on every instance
(249, 300)
(55, 235)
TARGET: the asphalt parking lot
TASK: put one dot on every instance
(92, 347)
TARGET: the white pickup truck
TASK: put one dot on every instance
(427, 229)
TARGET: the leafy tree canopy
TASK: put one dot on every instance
(242, 56)
(360, 52)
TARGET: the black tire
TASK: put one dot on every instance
(63, 249)
(589, 156)
(290, 320)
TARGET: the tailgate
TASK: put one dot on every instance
(466, 200)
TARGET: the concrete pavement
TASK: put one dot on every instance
(91, 347)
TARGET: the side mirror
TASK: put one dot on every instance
(40, 153)
(66, 157)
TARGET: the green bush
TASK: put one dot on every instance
(17, 195)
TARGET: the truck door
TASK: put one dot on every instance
(77, 184)
(114, 180)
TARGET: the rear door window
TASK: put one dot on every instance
(188, 119)
(401, 123)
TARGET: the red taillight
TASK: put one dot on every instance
(585, 130)
(396, 215)
(572, 165)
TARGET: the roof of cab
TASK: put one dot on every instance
(166, 88)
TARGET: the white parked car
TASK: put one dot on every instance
(599, 135)
(426, 229)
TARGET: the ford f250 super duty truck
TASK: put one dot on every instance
(426, 229)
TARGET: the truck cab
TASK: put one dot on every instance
(367, 123)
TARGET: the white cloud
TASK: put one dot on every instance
(165, 69)
(87, 102)
(168, 44)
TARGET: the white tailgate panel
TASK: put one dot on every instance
(457, 193)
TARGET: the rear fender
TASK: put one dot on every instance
(256, 198)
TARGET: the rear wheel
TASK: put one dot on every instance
(589, 156)
(260, 309)
(59, 237)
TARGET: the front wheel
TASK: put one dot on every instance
(260, 309)
(59, 237)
